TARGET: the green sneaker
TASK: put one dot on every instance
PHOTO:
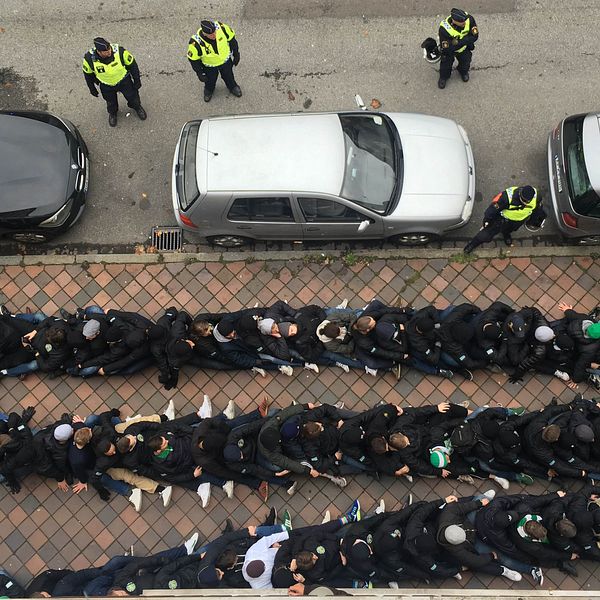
(287, 520)
(524, 479)
(516, 411)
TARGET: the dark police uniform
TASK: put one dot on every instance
(457, 42)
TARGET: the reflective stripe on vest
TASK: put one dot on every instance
(111, 73)
(518, 211)
(455, 33)
(209, 57)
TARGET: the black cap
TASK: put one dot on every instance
(384, 331)
(226, 328)
(458, 15)
(207, 26)
(101, 44)
(526, 193)
(517, 324)
(282, 577)
(114, 334)
(564, 341)
(232, 453)
(270, 438)
(492, 331)
(425, 324)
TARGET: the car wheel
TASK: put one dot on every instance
(414, 239)
(228, 241)
(588, 240)
(29, 237)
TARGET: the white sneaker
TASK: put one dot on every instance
(393, 584)
(191, 543)
(339, 404)
(537, 575)
(255, 305)
(311, 367)
(292, 489)
(466, 479)
(503, 483)
(464, 404)
(228, 488)
(490, 494)
(204, 493)
(561, 375)
(170, 412)
(326, 518)
(229, 411)
(339, 481)
(342, 366)
(166, 495)
(205, 411)
(510, 574)
(381, 508)
(259, 371)
(409, 478)
(136, 499)
(286, 370)
(343, 303)
(457, 576)
(372, 372)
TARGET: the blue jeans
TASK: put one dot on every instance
(118, 487)
(279, 361)
(34, 318)
(3, 417)
(510, 475)
(22, 369)
(343, 359)
(94, 420)
(421, 365)
(348, 312)
(92, 310)
(355, 464)
(240, 420)
(507, 561)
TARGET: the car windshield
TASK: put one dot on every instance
(371, 162)
(187, 186)
(583, 197)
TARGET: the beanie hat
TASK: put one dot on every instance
(544, 333)
(360, 554)
(232, 453)
(564, 341)
(214, 442)
(438, 457)
(114, 334)
(156, 333)
(225, 328)
(248, 322)
(255, 568)
(526, 193)
(282, 577)
(517, 324)
(182, 350)
(208, 577)
(425, 544)
(290, 429)
(455, 535)
(270, 438)
(265, 326)
(207, 26)
(385, 331)
(593, 331)
(91, 328)
(284, 328)
(492, 331)
(461, 331)
(101, 44)
(63, 432)
(425, 324)
(584, 433)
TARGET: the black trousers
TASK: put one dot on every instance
(500, 225)
(212, 74)
(126, 87)
(464, 63)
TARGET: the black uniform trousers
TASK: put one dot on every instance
(499, 225)
(212, 74)
(464, 63)
(126, 87)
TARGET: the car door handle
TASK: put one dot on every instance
(313, 229)
(244, 227)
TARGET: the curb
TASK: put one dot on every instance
(359, 255)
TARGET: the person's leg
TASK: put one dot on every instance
(265, 530)
(226, 71)
(261, 461)
(208, 363)
(280, 361)
(448, 361)
(119, 487)
(464, 61)
(446, 65)
(35, 318)
(87, 371)
(421, 365)
(344, 359)
(355, 464)
(92, 310)
(484, 235)
(128, 90)
(507, 561)
(110, 96)
(212, 74)
(137, 366)
(244, 419)
(21, 369)
(486, 468)
(499, 410)
(138, 481)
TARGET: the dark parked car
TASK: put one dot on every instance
(574, 173)
(44, 173)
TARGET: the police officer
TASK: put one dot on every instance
(213, 50)
(113, 69)
(507, 212)
(458, 34)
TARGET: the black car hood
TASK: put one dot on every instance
(35, 165)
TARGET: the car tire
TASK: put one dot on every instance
(29, 237)
(228, 241)
(414, 239)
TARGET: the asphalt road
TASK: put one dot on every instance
(532, 66)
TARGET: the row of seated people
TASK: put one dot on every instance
(427, 542)
(278, 447)
(376, 338)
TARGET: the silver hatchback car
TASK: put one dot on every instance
(323, 176)
(574, 174)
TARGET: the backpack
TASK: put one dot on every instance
(463, 437)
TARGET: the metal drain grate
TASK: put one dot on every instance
(167, 239)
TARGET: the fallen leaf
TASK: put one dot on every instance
(2, 30)
(375, 103)
(140, 249)
(291, 96)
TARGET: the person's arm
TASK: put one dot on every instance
(131, 65)
(89, 75)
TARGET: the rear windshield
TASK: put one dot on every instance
(583, 197)
(187, 186)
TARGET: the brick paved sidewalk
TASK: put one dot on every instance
(44, 527)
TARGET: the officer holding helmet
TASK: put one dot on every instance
(507, 212)
(458, 34)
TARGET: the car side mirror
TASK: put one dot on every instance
(363, 225)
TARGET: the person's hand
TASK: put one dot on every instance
(77, 419)
(399, 409)
(341, 422)
(338, 455)
(485, 501)
(450, 499)
(137, 84)
(494, 555)
(552, 473)
(402, 471)
(236, 59)
(564, 306)
(485, 224)
(203, 77)
(343, 560)
(293, 565)
(63, 485)
(101, 371)
(80, 487)
(445, 473)
(94, 92)
(282, 473)
(583, 473)
(312, 405)
(252, 530)
(314, 473)
(29, 336)
(298, 577)
(574, 556)
(197, 472)
(220, 574)
(296, 590)
(401, 326)
(561, 493)
(443, 407)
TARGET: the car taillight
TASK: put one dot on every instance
(187, 221)
(569, 220)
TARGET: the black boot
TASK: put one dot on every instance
(112, 120)
(207, 96)
(442, 83)
(464, 77)
(469, 248)
(141, 113)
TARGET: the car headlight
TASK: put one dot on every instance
(59, 217)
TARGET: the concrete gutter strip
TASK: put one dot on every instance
(184, 257)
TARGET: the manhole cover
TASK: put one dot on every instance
(167, 239)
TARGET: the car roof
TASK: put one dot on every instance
(591, 148)
(288, 152)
